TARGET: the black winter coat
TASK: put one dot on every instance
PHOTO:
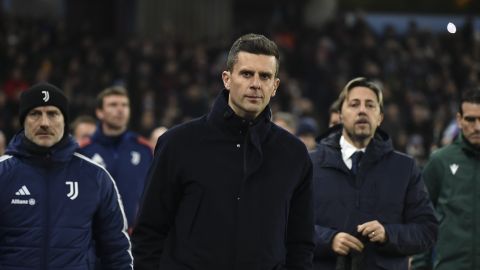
(388, 187)
(226, 193)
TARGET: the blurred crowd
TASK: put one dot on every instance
(170, 81)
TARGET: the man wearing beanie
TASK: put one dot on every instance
(58, 208)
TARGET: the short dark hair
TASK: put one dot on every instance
(361, 82)
(471, 95)
(256, 44)
(110, 91)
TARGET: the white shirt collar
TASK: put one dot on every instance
(347, 150)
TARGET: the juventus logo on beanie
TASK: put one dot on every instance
(42, 94)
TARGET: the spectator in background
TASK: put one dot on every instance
(307, 132)
(83, 128)
(3, 143)
(230, 190)
(372, 209)
(58, 207)
(452, 178)
(155, 134)
(286, 121)
(334, 111)
(123, 153)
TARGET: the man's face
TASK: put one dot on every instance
(44, 125)
(469, 122)
(360, 114)
(115, 112)
(84, 131)
(251, 83)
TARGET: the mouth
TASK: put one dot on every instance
(362, 122)
(254, 99)
(43, 134)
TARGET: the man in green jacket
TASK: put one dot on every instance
(452, 176)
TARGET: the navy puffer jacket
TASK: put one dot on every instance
(57, 209)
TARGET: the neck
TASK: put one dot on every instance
(359, 143)
(112, 132)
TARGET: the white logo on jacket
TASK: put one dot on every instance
(454, 167)
(73, 192)
(135, 157)
(23, 191)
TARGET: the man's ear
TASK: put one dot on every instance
(276, 84)
(381, 119)
(99, 114)
(226, 78)
(459, 120)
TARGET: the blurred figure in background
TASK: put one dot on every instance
(334, 111)
(452, 177)
(83, 127)
(123, 153)
(286, 121)
(372, 209)
(307, 132)
(3, 143)
(155, 134)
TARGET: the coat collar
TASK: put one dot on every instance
(223, 117)
(252, 132)
(466, 146)
(22, 147)
(101, 138)
(380, 145)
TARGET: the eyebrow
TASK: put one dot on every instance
(358, 99)
(262, 73)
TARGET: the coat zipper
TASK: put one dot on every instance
(238, 198)
(46, 205)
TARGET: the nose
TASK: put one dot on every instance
(256, 81)
(477, 124)
(362, 108)
(44, 121)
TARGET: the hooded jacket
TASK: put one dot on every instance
(57, 208)
(127, 158)
(227, 193)
(388, 187)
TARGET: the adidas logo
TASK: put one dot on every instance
(22, 191)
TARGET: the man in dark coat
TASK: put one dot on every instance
(230, 190)
(372, 208)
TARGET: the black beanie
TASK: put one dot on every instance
(42, 94)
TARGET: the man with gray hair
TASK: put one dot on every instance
(58, 208)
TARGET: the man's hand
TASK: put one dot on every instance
(374, 231)
(343, 243)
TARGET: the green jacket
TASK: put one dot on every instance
(452, 176)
